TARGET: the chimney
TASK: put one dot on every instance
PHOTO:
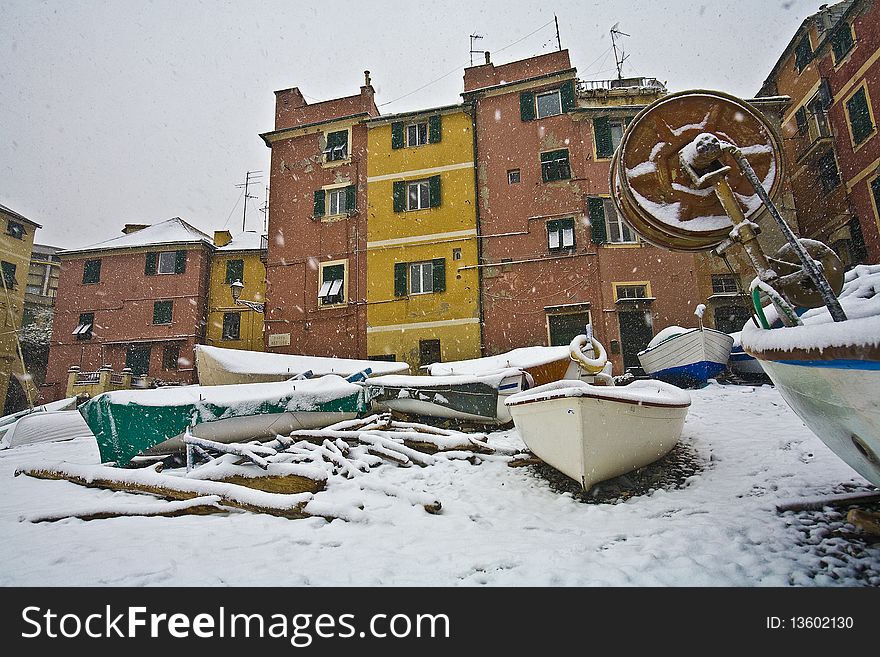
(222, 238)
(488, 58)
(133, 228)
(367, 93)
(366, 78)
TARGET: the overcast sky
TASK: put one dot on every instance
(121, 112)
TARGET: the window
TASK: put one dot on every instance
(429, 352)
(513, 176)
(231, 326)
(15, 229)
(456, 254)
(419, 277)
(137, 359)
(560, 234)
(608, 134)
(332, 290)
(829, 176)
(336, 201)
(166, 262)
(801, 118)
(563, 328)
(91, 271)
(842, 41)
(170, 357)
(8, 270)
(548, 104)
(337, 146)
(418, 195)
(724, 284)
(555, 166)
(417, 134)
(619, 231)
(803, 53)
(860, 124)
(631, 291)
(83, 330)
(162, 312)
(234, 271)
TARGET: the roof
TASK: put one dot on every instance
(169, 232)
(15, 215)
(445, 109)
(248, 241)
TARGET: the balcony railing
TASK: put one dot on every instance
(643, 84)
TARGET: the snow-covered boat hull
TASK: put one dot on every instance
(543, 364)
(130, 423)
(688, 359)
(593, 433)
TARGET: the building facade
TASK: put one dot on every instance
(138, 301)
(422, 283)
(231, 325)
(16, 246)
(315, 263)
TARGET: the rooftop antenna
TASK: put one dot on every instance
(558, 42)
(474, 37)
(618, 59)
(251, 178)
(265, 210)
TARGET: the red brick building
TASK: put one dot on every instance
(317, 227)
(554, 254)
(136, 301)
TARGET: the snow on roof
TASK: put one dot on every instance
(168, 232)
(248, 241)
(521, 358)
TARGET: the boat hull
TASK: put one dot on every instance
(745, 365)
(594, 437)
(839, 400)
(688, 359)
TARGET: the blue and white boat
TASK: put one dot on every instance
(829, 372)
(742, 364)
(686, 357)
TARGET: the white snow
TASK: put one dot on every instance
(166, 233)
(649, 391)
(521, 358)
(493, 379)
(499, 526)
(247, 241)
(667, 333)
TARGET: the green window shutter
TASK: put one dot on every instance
(400, 279)
(566, 94)
(152, 264)
(435, 129)
(319, 203)
(438, 270)
(800, 118)
(602, 136)
(803, 53)
(842, 41)
(351, 198)
(598, 232)
(180, 262)
(91, 271)
(162, 312)
(825, 94)
(434, 191)
(527, 106)
(399, 195)
(859, 116)
(234, 271)
(397, 140)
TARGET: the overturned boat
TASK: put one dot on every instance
(686, 357)
(132, 423)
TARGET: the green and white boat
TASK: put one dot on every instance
(133, 423)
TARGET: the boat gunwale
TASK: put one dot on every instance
(590, 394)
(862, 352)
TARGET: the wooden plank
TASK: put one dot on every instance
(199, 506)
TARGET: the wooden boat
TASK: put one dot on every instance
(742, 364)
(592, 433)
(543, 364)
(130, 423)
(471, 398)
(219, 366)
(829, 372)
(686, 357)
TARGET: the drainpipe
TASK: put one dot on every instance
(477, 215)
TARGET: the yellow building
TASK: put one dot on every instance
(16, 244)
(234, 325)
(422, 299)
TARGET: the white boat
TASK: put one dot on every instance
(592, 433)
(44, 427)
(686, 357)
(475, 398)
(742, 364)
(829, 372)
(544, 364)
(219, 366)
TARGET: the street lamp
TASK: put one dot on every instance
(236, 287)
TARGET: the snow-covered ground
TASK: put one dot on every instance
(499, 526)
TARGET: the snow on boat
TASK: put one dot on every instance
(219, 366)
(829, 372)
(592, 433)
(474, 398)
(129, 423)
(51, 426)
(686, 357)
(742, 364)
(544, 364)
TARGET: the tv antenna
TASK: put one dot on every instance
(251, 178)
(618, 58)
(265, 210)
(474, 37)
